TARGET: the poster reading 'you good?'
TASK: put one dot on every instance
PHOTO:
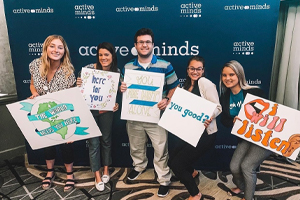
(185, 116)
(270, 125)
(99, 88)
(54, 118)
(144, 91)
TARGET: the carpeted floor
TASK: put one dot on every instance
(278, 180)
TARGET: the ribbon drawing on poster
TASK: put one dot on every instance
(99, 88)
(144, 91)
(270, 125)
(54, 118)
(185, 115)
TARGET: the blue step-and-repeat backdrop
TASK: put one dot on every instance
(220, 31)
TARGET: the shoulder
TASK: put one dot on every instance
(161, 62)
(35, 65)
(255, 91)
(36, 62)
(130, 64)
(90, 66)
(204, 82)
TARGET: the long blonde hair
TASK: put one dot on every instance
(65, 64)
(239, 71)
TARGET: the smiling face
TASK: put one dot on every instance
(230, 79)
(105, 58)
(195, 70)
(56, 50)
(144, 46)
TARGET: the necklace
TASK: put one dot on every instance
(47, 87)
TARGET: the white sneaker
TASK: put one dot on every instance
(99, 186)
(105, 178)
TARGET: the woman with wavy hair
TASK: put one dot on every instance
(107, 61)
(247, 156)
(53, 72)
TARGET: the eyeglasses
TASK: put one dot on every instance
(148, 42)
(195, 69)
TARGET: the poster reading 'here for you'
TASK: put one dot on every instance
(144, 91)
(99, 88)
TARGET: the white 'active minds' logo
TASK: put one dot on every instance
(163, 50)
(84, 11)
(190, 10)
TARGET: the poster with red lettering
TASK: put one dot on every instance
(270, 125)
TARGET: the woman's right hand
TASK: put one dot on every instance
(33, 95)
(79, 82)
(123, 87)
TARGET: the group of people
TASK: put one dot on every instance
(53, 71)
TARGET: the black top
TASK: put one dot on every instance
(226, 119)
(195, 89)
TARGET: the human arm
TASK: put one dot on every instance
(210, 93)
(165, 101)
(116, 107)
(123, 87)
(32, 90)
(78, 82)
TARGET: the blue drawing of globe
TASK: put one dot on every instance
(61, 134)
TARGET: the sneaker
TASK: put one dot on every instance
(105, 178)
(163, 191)
(134, 174)
(99, 186)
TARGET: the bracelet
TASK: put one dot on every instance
(167, 98)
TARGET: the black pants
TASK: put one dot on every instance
(66, 150)
(182, 159)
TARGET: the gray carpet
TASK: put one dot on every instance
(278, 180)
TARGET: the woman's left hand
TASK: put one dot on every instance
(116, 107)
(207, 122)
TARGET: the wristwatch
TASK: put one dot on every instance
(166, 97)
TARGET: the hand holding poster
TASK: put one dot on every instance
(144, 91)
(99, 88)
(54, 118)
(270, 125)
(185, 115)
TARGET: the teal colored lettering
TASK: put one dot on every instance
(199, 117)
(185, 112)
(176, 107)
(206, 117)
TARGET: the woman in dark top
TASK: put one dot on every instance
(182, 158)
(247, 156)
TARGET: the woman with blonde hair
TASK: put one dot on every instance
(53, 72)
(247, 156)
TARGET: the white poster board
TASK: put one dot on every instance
(270, 125)
(99, 88)
(185, 116)
(54, 118)
(144, 91)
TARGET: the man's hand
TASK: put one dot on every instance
(163, 104)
